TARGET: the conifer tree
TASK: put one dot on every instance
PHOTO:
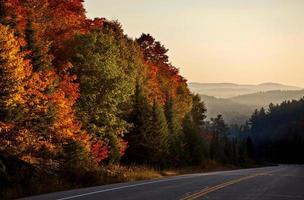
(250, 148)
(174, 137)
(218, 125)
(140, 118)
(198, 111)
(194, 146)
(157, 136)
(171, 117)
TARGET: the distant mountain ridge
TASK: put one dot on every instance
(227, 90)
(236, 110)
(237, 102)
(263, 99)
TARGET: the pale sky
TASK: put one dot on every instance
(240, 41)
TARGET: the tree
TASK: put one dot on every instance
(153, 51)
(174, 139)
(218, 125)
(192, 131)
(163, 77)
(21, 139)
(171, 117)
(140, 118)
(104, 87)
(250, 148)
(156, 138)
(198, 111)
(277, 134)
(77, 160)
(13, 72)
(38, 62)
(214, 147)
(194, 145)
(50, 32)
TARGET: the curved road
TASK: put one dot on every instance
(283, 182)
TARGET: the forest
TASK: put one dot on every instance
(277, 133)
(81, 103)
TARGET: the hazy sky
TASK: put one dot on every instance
(241, 41)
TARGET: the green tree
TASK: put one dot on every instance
(192, 129)
(173, 126)
(76, 162)
(156, 138)
(218, 125)
(104, 86)
(174, 139)
(194, 145)
(140, 118)
(198, 111)
(250, 148)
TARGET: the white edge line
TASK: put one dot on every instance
(127, 186)
(139, 184)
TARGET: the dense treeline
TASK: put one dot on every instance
(78, 94)
(277, 133)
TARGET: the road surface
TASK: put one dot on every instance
(283, 182)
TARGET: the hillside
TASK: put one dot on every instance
(228, 90)
(263, 99)
(233, 112)
(237, 110)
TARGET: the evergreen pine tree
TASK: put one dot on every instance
(214, 145)
(250, 148)
(157, 136)
(77, 161)
(140, 118)
(194, 146)
(218, 125)
(175, 140)
(171, 117)
(198, 111)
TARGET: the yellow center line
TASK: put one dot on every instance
(220, 186)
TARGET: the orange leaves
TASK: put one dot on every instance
(163, 78)
(108, 64)
(45, 119)
(54, 20)
(70, 88)
(154, 85)
(65, 125)
(96, 23)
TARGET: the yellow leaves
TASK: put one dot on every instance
(14, 69)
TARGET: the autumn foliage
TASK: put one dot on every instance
(73, 86)
(78, 95)
(74, 79)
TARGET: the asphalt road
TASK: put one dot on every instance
(283, 182)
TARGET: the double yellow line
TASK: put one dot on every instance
(218, 187)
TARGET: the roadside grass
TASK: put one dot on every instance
(43, 183)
